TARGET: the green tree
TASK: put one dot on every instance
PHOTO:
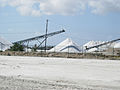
(17, 47)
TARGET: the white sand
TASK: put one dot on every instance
(36, 73)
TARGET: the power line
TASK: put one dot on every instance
(15, 22)
(20, 33)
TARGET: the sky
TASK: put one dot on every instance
(83, 20)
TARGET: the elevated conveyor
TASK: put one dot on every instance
(97, 46)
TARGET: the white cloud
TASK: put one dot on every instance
(104, 6)
(62, 7)
(3, 3)
(24, 10)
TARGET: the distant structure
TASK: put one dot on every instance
(66, 46)
(102, 44)
(109, 47)
(92, 44)
(4, 44)
(37, 38)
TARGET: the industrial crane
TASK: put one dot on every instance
(103, 44)
(39, 37)
(44, 37)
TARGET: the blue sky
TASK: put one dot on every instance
(95, 20)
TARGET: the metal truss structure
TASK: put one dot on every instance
(97, 46)
(44, 37)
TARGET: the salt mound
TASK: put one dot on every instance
(66, 46)
(4, 44)
(117, 45)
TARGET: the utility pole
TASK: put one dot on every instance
(46, 35)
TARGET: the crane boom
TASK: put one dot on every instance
(39, 37)
(103, 44)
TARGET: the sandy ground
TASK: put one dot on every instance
(36, 73)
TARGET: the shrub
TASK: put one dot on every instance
(17, 47)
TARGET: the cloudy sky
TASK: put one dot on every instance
(83, 20)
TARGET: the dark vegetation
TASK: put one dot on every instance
(17, 47)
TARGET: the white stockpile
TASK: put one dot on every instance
(66, 46)
(117, 45)
(4, 44)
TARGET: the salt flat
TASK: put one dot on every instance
(38, 73)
